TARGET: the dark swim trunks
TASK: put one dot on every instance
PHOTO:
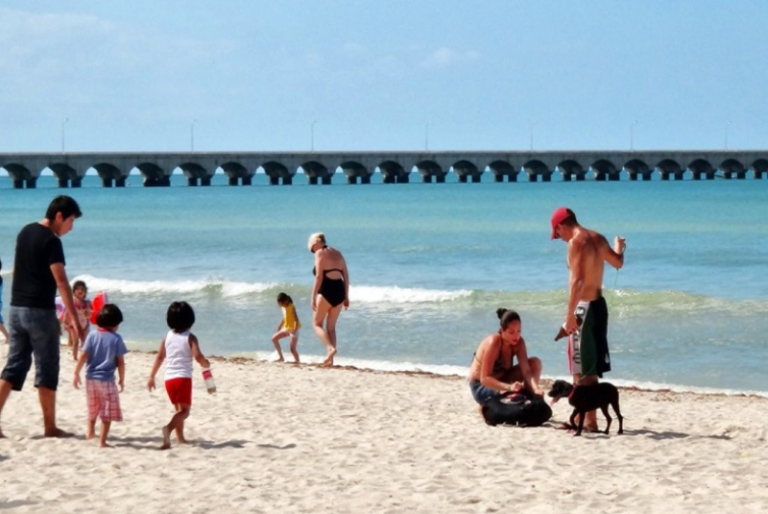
(588, 347)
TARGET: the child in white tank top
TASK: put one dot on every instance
(179, 348)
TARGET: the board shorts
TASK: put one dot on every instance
(179, 390)
(34, 332)
(588, 347)
(103, 400)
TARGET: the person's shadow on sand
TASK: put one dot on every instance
(674, 435)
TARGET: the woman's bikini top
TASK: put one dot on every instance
(499, 364)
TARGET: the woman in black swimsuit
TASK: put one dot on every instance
(330, 292)
(492, 371)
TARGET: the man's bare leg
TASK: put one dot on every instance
(48, 404)
(590, 420)
(5, 391)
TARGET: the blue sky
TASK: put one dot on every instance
(382, 75)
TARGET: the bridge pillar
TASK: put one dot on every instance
(351, 179)
(192, 181)
(403, 179)
(440, 179)
(533, 177)
(247, 180)
(476, 179)
(18, 183)
(274, 181)
(365, 179)
(205, 181)
(232, 181)
(120, 182)
(600, 177)
(567, 177)
(77, 182)
(426, 179)
(312, 181)
(326, 180)
(462, 179)
(106, 182)
(32, 183)
(581, 177)
(614, 177)
(63, 182)
(158, 182)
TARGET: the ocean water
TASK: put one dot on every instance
(429, 265)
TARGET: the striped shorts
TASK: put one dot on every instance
(103, 400)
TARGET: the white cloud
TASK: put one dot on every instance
(444, 57)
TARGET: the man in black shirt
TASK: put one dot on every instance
(34, 329)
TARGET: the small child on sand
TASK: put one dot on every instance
(84, 309)
(289, 327)
(180, 347)
(103, 352)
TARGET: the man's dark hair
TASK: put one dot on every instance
(109, 316)
(180, 317)
(66, 205)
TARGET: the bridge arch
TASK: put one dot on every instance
(153, 175)
(277, 171)
(355, 170)
(759, 167)
(66, 174)
(196, 174)
(670, 167)
(732, 168)
(467, 171)
(637, 168)
(237, 173)
(109, 174)
(535, 169)
(316, 173)
(393, 173)
(571, 169)
(603, 169)
(701, 168)
(20, 175)
(428, 168)
(501, 169)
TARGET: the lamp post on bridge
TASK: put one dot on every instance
(312, 136)
(192, 135)
(63, 147)
(531, 132)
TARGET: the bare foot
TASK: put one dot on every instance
(90, 435)
(181, 440)
(280, 360)
(329, 358)
(166, 438)
(105, 445)
(57, 432)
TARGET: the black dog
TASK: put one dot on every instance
(585, 398)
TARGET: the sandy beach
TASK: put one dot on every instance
(281, 438)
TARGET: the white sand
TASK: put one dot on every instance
(277, 438)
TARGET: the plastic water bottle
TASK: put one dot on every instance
(209, 383)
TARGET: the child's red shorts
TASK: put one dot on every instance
(179, 390)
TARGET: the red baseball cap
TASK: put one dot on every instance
(560, 215)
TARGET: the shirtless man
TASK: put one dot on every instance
(588, 251)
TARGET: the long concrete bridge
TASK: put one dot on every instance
(395, 167)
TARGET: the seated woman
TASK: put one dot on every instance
(492, 371)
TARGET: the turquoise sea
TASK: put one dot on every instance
(429, 265)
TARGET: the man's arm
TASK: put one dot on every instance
(615, 256)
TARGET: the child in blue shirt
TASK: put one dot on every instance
(103, 353)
